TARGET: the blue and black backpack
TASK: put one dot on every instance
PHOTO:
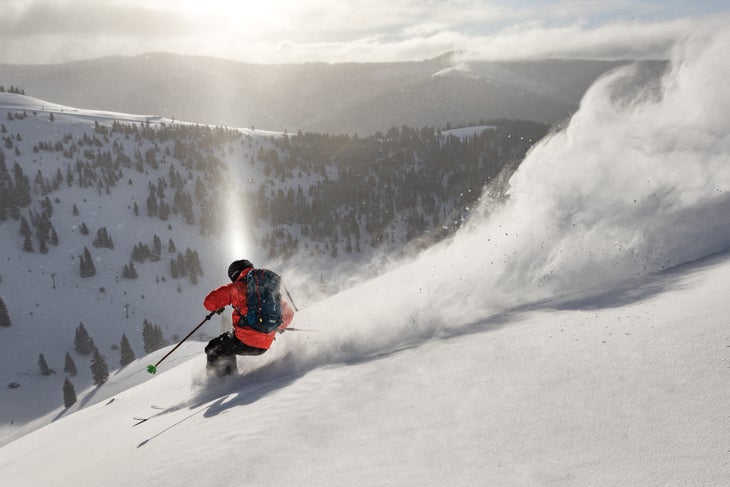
(264, 300)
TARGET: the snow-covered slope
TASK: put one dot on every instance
(45, 296)
(575, 335)
(626, 388)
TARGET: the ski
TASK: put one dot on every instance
(140, 420)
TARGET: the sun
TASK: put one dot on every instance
(242, 30)
(220, 15)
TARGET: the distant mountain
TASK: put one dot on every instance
(348, 98)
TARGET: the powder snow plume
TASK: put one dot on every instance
(637, 182)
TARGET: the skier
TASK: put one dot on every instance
(243, 339)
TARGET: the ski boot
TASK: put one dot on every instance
(222, 367)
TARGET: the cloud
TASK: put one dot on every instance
(285, 31)
(529, 40)
(631, 40)
(87, 17)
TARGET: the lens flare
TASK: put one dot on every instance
(237, 242)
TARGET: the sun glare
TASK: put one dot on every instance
(218, 16)
(241, 30)
(237, 242)
(219, 23)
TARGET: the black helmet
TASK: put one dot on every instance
(236, 267)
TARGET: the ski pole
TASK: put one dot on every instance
(291, 328)
(290, 298)
(152, 369)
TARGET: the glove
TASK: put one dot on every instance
(220, 311)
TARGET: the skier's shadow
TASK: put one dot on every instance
(241, 391)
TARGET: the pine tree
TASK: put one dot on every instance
(82, 341)
(141, 252)
(21, 186)
(163, 211)
(54, 236)
(69, 393)
(156, 246)
(99, 369)
(4, 316)
(25, 227)
(173, 269)
(147, 337)
(182, 270)
(69, 366)
(152, 337)
(161, 342)
(86, 264)
(192, 262)
(103, 239)
(28, 244)
(127, 354)
(43, 366)
(152, 205)
(129, 271)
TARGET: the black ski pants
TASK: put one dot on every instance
(227, 345)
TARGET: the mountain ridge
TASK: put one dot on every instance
(317, 97)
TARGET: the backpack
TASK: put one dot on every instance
(264, 300)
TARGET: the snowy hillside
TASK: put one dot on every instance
(620, 389)
(574, 335)
(105, 210)
(47, 300)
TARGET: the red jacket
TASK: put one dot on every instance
(235, 294)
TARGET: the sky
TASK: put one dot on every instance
(292, 31)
